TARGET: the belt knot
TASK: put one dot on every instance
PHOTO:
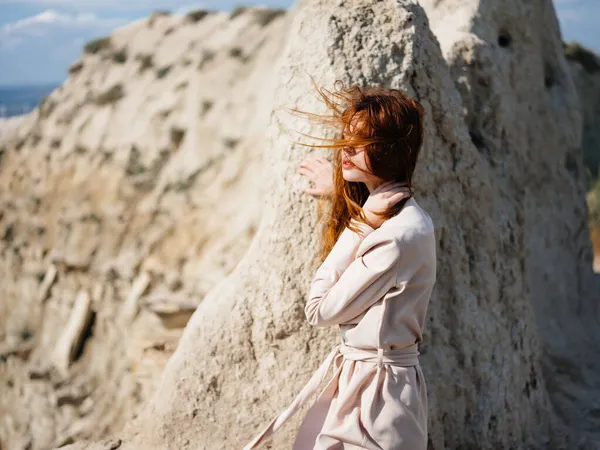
(403, 357)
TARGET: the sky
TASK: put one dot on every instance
(40, 39)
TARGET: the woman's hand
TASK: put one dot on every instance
(320, 173)
(382, 198)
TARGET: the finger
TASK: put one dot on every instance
(395, 190)
(397, 197)
(307, 165)
(313, 191)
(305, 172)
(403, 189)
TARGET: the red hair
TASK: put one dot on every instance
(390, 126)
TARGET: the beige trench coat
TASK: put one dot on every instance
(376, 285)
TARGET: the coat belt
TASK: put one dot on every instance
(403, 357)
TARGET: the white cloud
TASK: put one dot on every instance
(111, 5)
(40, 48)
(147, 6)
(50, 17)
(52, 22)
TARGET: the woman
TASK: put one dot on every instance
(377, 273)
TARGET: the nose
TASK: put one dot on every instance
(349, 151)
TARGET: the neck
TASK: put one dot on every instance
(374, 184)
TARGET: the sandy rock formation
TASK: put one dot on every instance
(585, 70)
(8, 127)
(124, 198)
(523, 114)
(513, 322)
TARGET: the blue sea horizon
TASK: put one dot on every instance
(18, 100)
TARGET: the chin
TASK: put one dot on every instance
(350, 175)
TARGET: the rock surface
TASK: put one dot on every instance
(524, 118)
(138, 176)
(512, 327)
(8, 127)
(141, 183)
(585, 71)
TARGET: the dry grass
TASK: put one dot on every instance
(46, 107)
(120, 56)
(574, 51)
(156, 15)
(112, 95)
(237, 10)
(197, 15)
(266, 16)
(76, 68)
(97, 45)
(146, 61)
(163, 72)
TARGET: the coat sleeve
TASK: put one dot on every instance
(344, 287)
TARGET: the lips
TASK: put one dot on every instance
(347, 163)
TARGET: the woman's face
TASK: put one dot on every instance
(353, 158)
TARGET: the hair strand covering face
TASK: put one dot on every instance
(389, 124)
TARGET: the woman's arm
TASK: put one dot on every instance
(344, 287)
(345, 248)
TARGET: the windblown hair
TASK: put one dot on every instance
(390, 126)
